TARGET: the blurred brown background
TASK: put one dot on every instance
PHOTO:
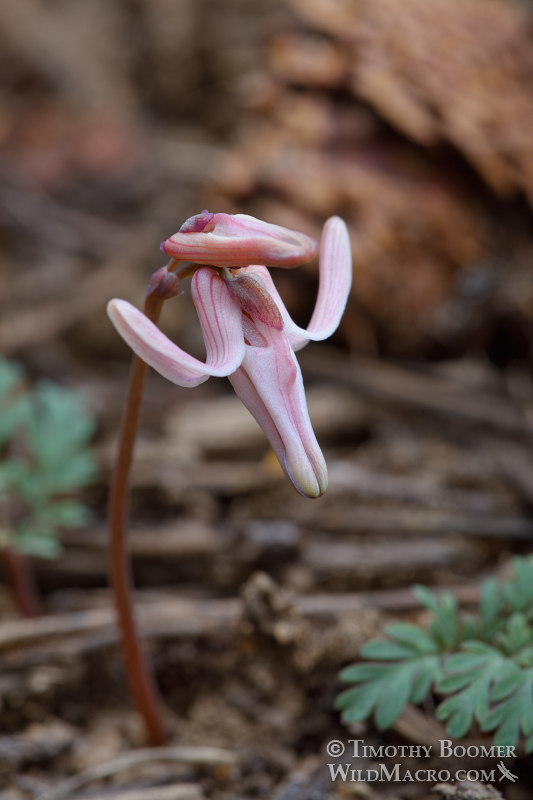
(118, 120)
(412, 120)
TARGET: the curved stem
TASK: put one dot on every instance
(22, 581)
(138, 668)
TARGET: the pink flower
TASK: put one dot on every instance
(236, 240)
(249, 335)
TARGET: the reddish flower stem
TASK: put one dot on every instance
(22, 581)
(138, 668)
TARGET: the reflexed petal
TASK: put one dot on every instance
(270, 385)
(220, 318)
(237, 240)
(335, 276)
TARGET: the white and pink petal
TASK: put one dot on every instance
(335, 280)
(237, 240)
(220, 318)
(270, 385)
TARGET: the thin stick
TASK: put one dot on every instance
(164, 284)
(125, 761)
(22, 581)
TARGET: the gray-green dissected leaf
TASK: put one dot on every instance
(11, 376)
(472, 702)
(453, 683)
(412, 636)
(13, 403)
(490, 606)
(395, 696)
(356, 673)
(478, 647)
(79, 470)
(59, 425)
(525, 657)
(482, 665)
(65, 514)
(426, 597)
(465, 662)
(386, 688)
(459, 713)
(507, 684)
(37, 540)
(385, 650)
(484, 683)
(357, 704)
(519, 591)
(429, 672)
(55, 461)
(446, 626)
(514, 714)
(516, 635)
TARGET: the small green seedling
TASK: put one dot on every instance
(480, 664)
(44, 460)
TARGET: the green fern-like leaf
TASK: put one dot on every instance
(405, 667)
(482, 665)
(490, 607)
(519, 591)
(469, 676)
(52, 461)
(13, 402)
(59, 427)
(446, 628)
(516, 635)
(512, 716)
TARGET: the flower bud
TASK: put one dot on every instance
(164, 284)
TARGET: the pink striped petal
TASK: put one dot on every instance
(335, 276)
(237, 240)
(220, 318)
(270, 385)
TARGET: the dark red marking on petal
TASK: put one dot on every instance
(255, 299)
(197, 223)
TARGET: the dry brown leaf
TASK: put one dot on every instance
(453, 70)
